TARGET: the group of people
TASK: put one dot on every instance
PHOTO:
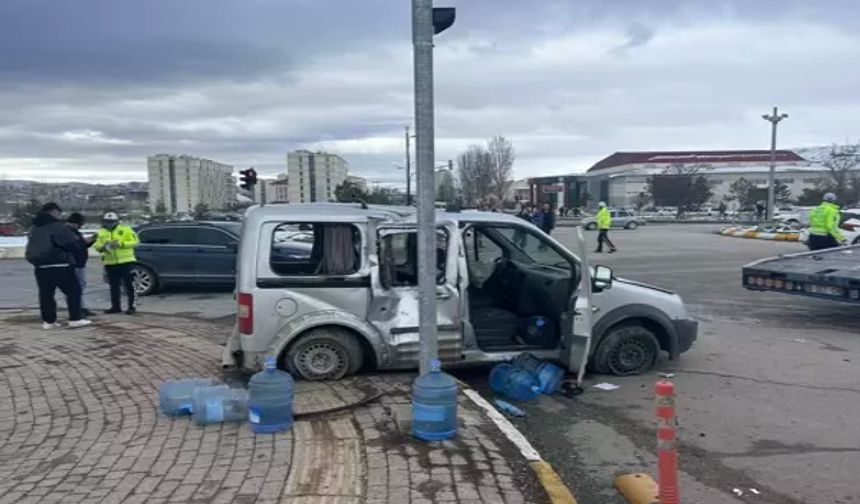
(542, 217)
(59, 252)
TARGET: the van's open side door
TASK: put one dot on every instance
(577, 344)
(394, 297)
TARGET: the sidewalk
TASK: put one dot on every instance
(80, 423)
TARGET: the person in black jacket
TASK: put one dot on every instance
(52, 248)
(75, 221)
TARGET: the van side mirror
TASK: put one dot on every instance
(602, 279)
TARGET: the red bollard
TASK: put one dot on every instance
(667, 450)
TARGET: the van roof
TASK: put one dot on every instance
(354, 212)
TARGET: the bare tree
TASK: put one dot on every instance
(501, 157)
(843, 166)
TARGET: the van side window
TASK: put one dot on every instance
(315, 249)
(399, 259)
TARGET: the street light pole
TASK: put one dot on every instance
(426, 22)
(408, 170)
(771, 177)
(422, 41)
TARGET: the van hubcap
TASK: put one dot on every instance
(630, 356)
(321, 360)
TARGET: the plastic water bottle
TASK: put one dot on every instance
(514, 382)
(538, 331)
(434, 405)
(219, 404)
(270, 399)
(549, 374)
(174, 396)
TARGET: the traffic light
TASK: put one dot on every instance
(248, 178)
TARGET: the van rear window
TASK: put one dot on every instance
(315, 249)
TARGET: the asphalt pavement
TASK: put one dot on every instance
(768, 397)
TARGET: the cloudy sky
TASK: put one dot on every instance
(89, 88)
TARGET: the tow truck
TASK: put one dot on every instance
(832, 274)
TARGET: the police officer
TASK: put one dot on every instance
(604, 222)
(115, 242)
(824, 229)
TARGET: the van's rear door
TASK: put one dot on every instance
(394, 299)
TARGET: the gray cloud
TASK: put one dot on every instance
(93, 86)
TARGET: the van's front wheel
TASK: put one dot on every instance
(326, 353)
(627, 350)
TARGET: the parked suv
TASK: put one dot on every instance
(186, 253)
(620, 219)
(350, 300)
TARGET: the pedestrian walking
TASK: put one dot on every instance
(115, 242)
(824, 229)
(545, 218)
(604, 222)
(722, 210)
(52, 248)
(75, 222)
(525, 213)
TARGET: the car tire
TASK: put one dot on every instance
(325, 353)
(591, 226)
(145, 280)
(626, 350)
(631, 225)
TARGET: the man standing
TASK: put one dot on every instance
(545, 219)
(824, 229)
(75, 221)
(115, 242)
(52, 248)
(604, 222)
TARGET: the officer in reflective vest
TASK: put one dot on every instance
(115, 242)
(824, 229)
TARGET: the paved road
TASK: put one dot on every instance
(769, 396)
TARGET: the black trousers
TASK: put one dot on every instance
(820, 242)
(120, 275)
(49, 280)
(603, 237)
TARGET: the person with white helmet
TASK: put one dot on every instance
(824, 229)
(604, 222)
(115, 242)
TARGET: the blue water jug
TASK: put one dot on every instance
(539, 331)
(218, 404)
(549, 374)
(270, 399)
(434, 405)
(514, 382)
(174, 396)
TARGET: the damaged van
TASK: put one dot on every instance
(329, 289)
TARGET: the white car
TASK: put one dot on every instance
(851, 225)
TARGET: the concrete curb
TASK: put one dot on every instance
(551, 482)
(760, 235)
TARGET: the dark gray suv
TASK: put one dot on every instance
(186, 253)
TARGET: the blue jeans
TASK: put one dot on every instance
(81, 274)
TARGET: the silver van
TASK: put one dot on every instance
(329, 289)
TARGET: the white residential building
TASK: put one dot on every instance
(313, 176)
(182, 182)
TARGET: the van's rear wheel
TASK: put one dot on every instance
(627, 350)
(326, 353)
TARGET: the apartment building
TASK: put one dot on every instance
(313, 176)
(182, 182)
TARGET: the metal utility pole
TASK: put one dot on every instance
(408, 170)
(425, 23)
(771, 177)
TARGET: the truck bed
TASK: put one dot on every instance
(828, 274)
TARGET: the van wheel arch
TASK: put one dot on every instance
(613, 320)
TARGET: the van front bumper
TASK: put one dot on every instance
(687, 331)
